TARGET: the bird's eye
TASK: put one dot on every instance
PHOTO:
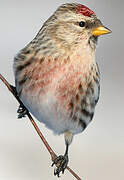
(82, 24)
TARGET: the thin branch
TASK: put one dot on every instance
(53, 155)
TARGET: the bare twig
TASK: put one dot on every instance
(53, 155)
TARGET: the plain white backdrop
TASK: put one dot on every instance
(97, 153)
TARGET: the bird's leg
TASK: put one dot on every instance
(22, 111)
(14, 90)
(61, 162)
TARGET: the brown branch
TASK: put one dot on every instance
(53, 155)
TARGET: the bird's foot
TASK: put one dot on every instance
(61, 164)
(22, 111)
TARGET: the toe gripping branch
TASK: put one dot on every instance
(61, 163)
(22, 112)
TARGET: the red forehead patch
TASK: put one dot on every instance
(84, 10)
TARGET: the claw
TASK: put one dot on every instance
(22, 112)
(61, 164)
(56, 172)
(63, 171)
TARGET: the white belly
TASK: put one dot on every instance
(48, 111)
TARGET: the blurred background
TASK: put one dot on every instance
(97, 153)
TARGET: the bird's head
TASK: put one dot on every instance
(72, 25)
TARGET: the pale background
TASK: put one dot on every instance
(96, 154)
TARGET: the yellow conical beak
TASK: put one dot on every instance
(97, 31)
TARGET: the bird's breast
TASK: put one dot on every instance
(61, 90)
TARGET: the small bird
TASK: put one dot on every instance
(56, 75)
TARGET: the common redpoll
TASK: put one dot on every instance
(56, 75)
